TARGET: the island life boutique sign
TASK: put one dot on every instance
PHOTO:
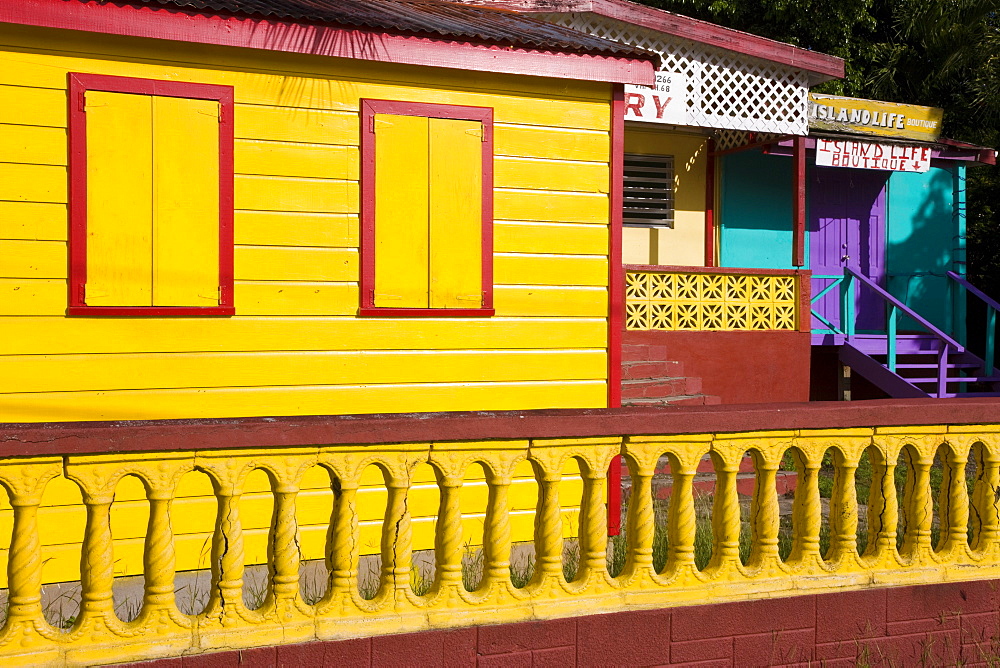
(849, 115)
(664, 102)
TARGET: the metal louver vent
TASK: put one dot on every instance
(648, 197)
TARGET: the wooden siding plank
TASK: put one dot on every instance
(33, 221)
(456, 213)
(272, 193)
(550, 301)
(32, 145)
(186, 202)
(284, 228)
(525, 237)
(25, 296)
(58, 335)
(402, 211)
(551, 269)
(119, 199)
(548, 142)
(25, 105)
(33, 183)
(539, 174)
(283, 298)
(278, 263)
(292, 123)
(32, 259)
(551, 206)
(269, 158)
(245, 402)
(79, 373)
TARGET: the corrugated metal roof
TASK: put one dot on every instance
(430, 17)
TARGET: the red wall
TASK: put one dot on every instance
(946, 624)
(739, 367)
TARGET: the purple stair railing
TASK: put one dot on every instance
(991, 319)
(899, 385)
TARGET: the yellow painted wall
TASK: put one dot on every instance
(295, 345)
(683, 245)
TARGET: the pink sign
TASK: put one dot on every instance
(869, 155)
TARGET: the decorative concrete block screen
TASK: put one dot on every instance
(657, 300)
(725, 90)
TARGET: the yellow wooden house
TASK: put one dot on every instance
(373, 207)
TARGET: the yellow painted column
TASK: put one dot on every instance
(844, 508)
(918, 505)
(396, 541)
(342, 554)
(547, 464)
(953, 504)
(807, 515)
(883, 513)
(725, 513)
(765, 518)
(986, 499)
(640, 519)
(496, 529)
(26, 628)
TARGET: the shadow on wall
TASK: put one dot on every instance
(921, 245)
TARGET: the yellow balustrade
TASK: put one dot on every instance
(696, 301)
(951, 538)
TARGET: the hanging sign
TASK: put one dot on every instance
(665, 102)
(869, 155)
(871, 117)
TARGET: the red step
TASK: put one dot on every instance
(643, 353)
(645, 369)
(679, 400)
(655, 388)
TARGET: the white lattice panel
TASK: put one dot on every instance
(726, 90)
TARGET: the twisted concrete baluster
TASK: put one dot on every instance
(843, 508)
(682, 521)
(448, 540)
(765, 517)
(548, 524)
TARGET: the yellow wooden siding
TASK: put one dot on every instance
(297, 268)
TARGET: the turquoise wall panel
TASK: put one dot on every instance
(923, 236)
(755, 214)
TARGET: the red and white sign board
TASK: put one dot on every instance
(666, 102)
(870, 155)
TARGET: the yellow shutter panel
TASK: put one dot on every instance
(401, 211)
(185, 202)
(456, 213)
(119, 199)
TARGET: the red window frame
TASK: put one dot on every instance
(427, 110)
(79, 84)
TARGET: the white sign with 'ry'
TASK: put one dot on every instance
(666, 102)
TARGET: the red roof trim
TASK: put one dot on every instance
(822, 66)
(323, 40)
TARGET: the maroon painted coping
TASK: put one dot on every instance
(936, 625)
(138, 436)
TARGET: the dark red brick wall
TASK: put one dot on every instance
(933, 625)
(739, 367)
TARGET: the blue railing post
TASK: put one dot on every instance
(890, 327)
(991, 333)
(847, 305)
